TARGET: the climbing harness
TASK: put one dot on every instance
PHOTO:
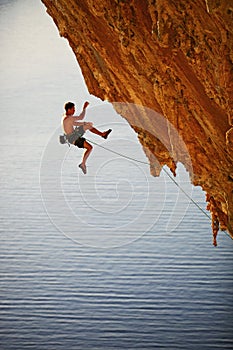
(70, 138)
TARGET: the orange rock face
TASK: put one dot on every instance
(174, 58)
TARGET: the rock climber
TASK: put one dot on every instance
(74, 128)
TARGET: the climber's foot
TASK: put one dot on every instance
(83, 168)
(106, 133)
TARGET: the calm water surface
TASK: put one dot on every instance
(112, 260)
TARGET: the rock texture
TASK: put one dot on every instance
(175, 58)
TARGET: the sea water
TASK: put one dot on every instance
(115, 259)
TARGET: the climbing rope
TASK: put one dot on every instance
(166, 172)
(186, 194)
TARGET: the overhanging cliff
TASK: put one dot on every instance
(174, 57)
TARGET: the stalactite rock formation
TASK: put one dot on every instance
(175, 58)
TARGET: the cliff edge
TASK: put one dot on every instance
(173, 57)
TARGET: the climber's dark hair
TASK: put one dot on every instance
(68, 105)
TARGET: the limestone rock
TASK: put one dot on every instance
(175, 58)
